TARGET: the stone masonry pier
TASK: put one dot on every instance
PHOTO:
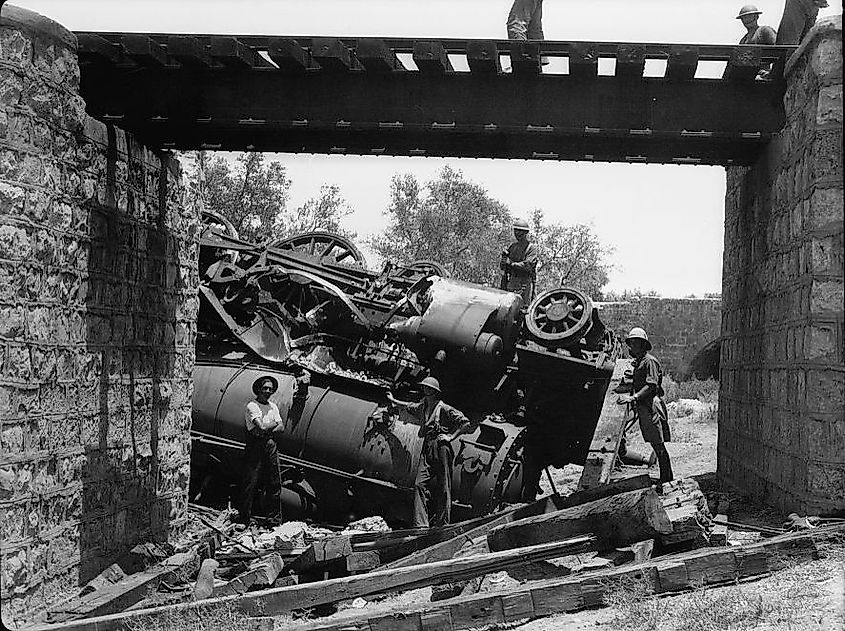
(782, 400)
(98, 281)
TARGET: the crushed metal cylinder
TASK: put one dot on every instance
(338, 337)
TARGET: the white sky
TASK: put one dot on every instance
(665, 222)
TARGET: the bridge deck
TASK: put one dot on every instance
(605, 102)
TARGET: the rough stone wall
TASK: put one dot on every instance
(678, 328)
(782, 400)
(98, 282)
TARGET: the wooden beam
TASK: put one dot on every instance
(525, 58)
(610, 428)
(431, 58)
(188, 51)
(96, 49)
(743, 65)
(234, 54)
(616, 521)
(332, 54)
(682, 63)
(289, 55)
(566, 595)
(583, 61)
(630, 62)
(144, 50)
(483, 58)
(376, 56)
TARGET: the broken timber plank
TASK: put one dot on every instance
(609, 430)
(125, 593)
(262, 572)
(688, 511)
(616, 521)
(569, 594)
(450, 547)
(751, 561)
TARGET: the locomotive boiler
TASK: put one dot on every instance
(338, 337)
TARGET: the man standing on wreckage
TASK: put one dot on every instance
(441, 424)
(645, 399)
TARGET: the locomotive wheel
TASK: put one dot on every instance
(559, 317)
(219, 222)
(327, 246)
(429, 268)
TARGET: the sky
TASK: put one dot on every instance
(664, 223)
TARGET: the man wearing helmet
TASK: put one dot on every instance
(519, 264)
(756, 34)
(441, 424)
(645, 398)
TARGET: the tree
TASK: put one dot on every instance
(448, 220)
(254, 196)
(571, 256)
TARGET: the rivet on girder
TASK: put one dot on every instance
(159, 119)
(592, 130)
(589, 156)
(636, 159)
(539, 155)
(540, 128)
(391, 125)
(491, 127)
(299, 123)
(378, 151)
(417, 152)
(443, 125)
(640, 132)
(343, 124)
(337, 150)
(112, 117)
(252, 121)
(210, 145)
(205, 119)
(696, 134)
(686, 160)
(751, 134)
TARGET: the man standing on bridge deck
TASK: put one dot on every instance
(646, 399)
(261, 471)
(756, 33)
(525, 20)
(441, 424)
(519, 264)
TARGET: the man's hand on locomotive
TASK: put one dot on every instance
(505, 263)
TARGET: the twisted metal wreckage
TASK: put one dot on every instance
(338, 337)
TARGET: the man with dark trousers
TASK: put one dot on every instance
(261, 460)
(645, 398)
(441, 424)
(519, 264)
(525, 20)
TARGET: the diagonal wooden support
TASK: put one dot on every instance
(609, 431)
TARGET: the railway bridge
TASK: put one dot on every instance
(99, 238)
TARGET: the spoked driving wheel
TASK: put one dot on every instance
(559, 317)
(326, 246)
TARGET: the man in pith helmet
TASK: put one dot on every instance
(441, 424)
(519, 264)
(646, 400)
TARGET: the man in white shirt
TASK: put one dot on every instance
(260, 453)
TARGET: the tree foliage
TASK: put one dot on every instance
(569, 255)
(449, 220)
(253, 194)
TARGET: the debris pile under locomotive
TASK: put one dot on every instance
(337, 337)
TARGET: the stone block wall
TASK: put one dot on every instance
(680, 329)
(782, 400)
(98, 301)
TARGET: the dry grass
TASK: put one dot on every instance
(216, 617)
(801, 597)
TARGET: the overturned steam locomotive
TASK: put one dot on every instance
(532, 377)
